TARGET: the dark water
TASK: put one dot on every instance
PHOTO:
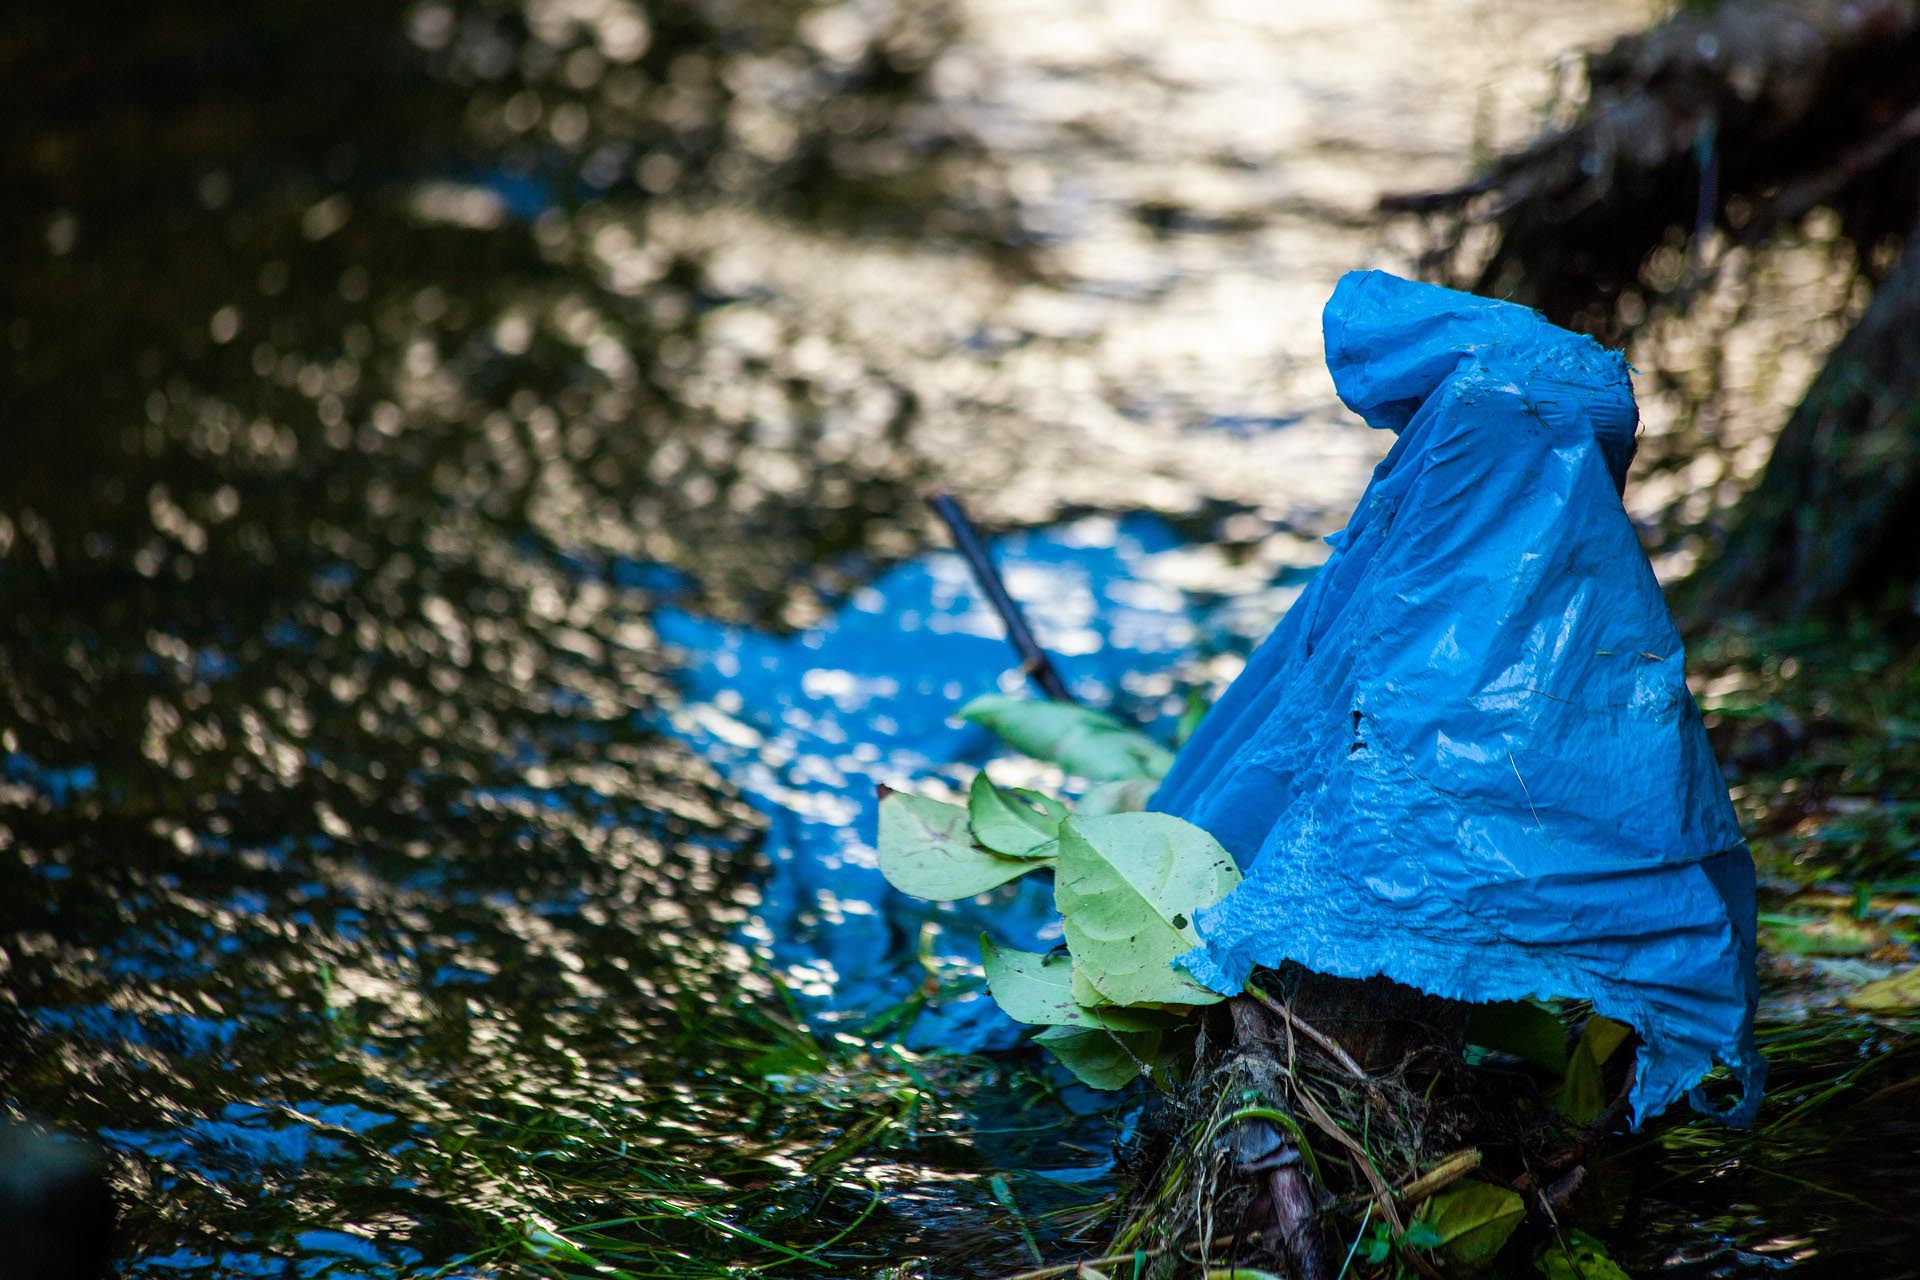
(373, 376)
(344, 901)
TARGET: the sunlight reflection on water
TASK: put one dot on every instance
(392, 392)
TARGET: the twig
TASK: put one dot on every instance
(1561, 1161)
(1447, 1172)
(1382, 1193)
(1795, 200)
(1312, 1033)
(966, 540)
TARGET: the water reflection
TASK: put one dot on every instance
(378, 381)
(342, 875)
(1820, 1188)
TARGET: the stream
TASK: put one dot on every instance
(415, 412)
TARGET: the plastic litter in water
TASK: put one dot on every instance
(1467, 758)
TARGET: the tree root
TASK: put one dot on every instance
(1738, 119)
(1292, 1146)
(1268, 1150)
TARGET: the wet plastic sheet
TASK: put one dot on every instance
(1467, 758)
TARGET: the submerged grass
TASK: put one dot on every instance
(639, 1189)
(1819, 728)
(837, 1144)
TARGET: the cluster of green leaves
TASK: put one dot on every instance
(1463, 1227)
(1537, 1033)
(1581, 1258)
(1468, 1223)
(1110, 1004)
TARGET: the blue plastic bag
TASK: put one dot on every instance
(1467, 758)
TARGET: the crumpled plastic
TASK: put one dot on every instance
(1467, 758)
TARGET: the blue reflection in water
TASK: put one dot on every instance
(328, 1254)
(175, 1032)
(58, 786)
(808, 725)
(805, 726)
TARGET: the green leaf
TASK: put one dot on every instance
(1583, 1093)
(1008, 823)
(1521, 1028)
(1082, 741)
(1602, 1036)
(1127, 796)
(925, 851)
(1038, 990)
(1055, 810)
(1472, 1220)
(1103, 1059)
(1128, 886)
(1421, 1235)
(1084, 991)
(1584, 1258)
(1898, 994)
(1583, 1090)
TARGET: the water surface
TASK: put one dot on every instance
(378, 380)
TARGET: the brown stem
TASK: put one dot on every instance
(1293, 1207)
(1289, 1190)
(1442, 1175)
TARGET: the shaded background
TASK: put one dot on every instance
(376, 379)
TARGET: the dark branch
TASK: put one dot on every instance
(966, 540)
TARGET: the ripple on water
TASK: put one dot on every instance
(388, 396)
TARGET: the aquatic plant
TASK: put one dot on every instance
(1272, 1123)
